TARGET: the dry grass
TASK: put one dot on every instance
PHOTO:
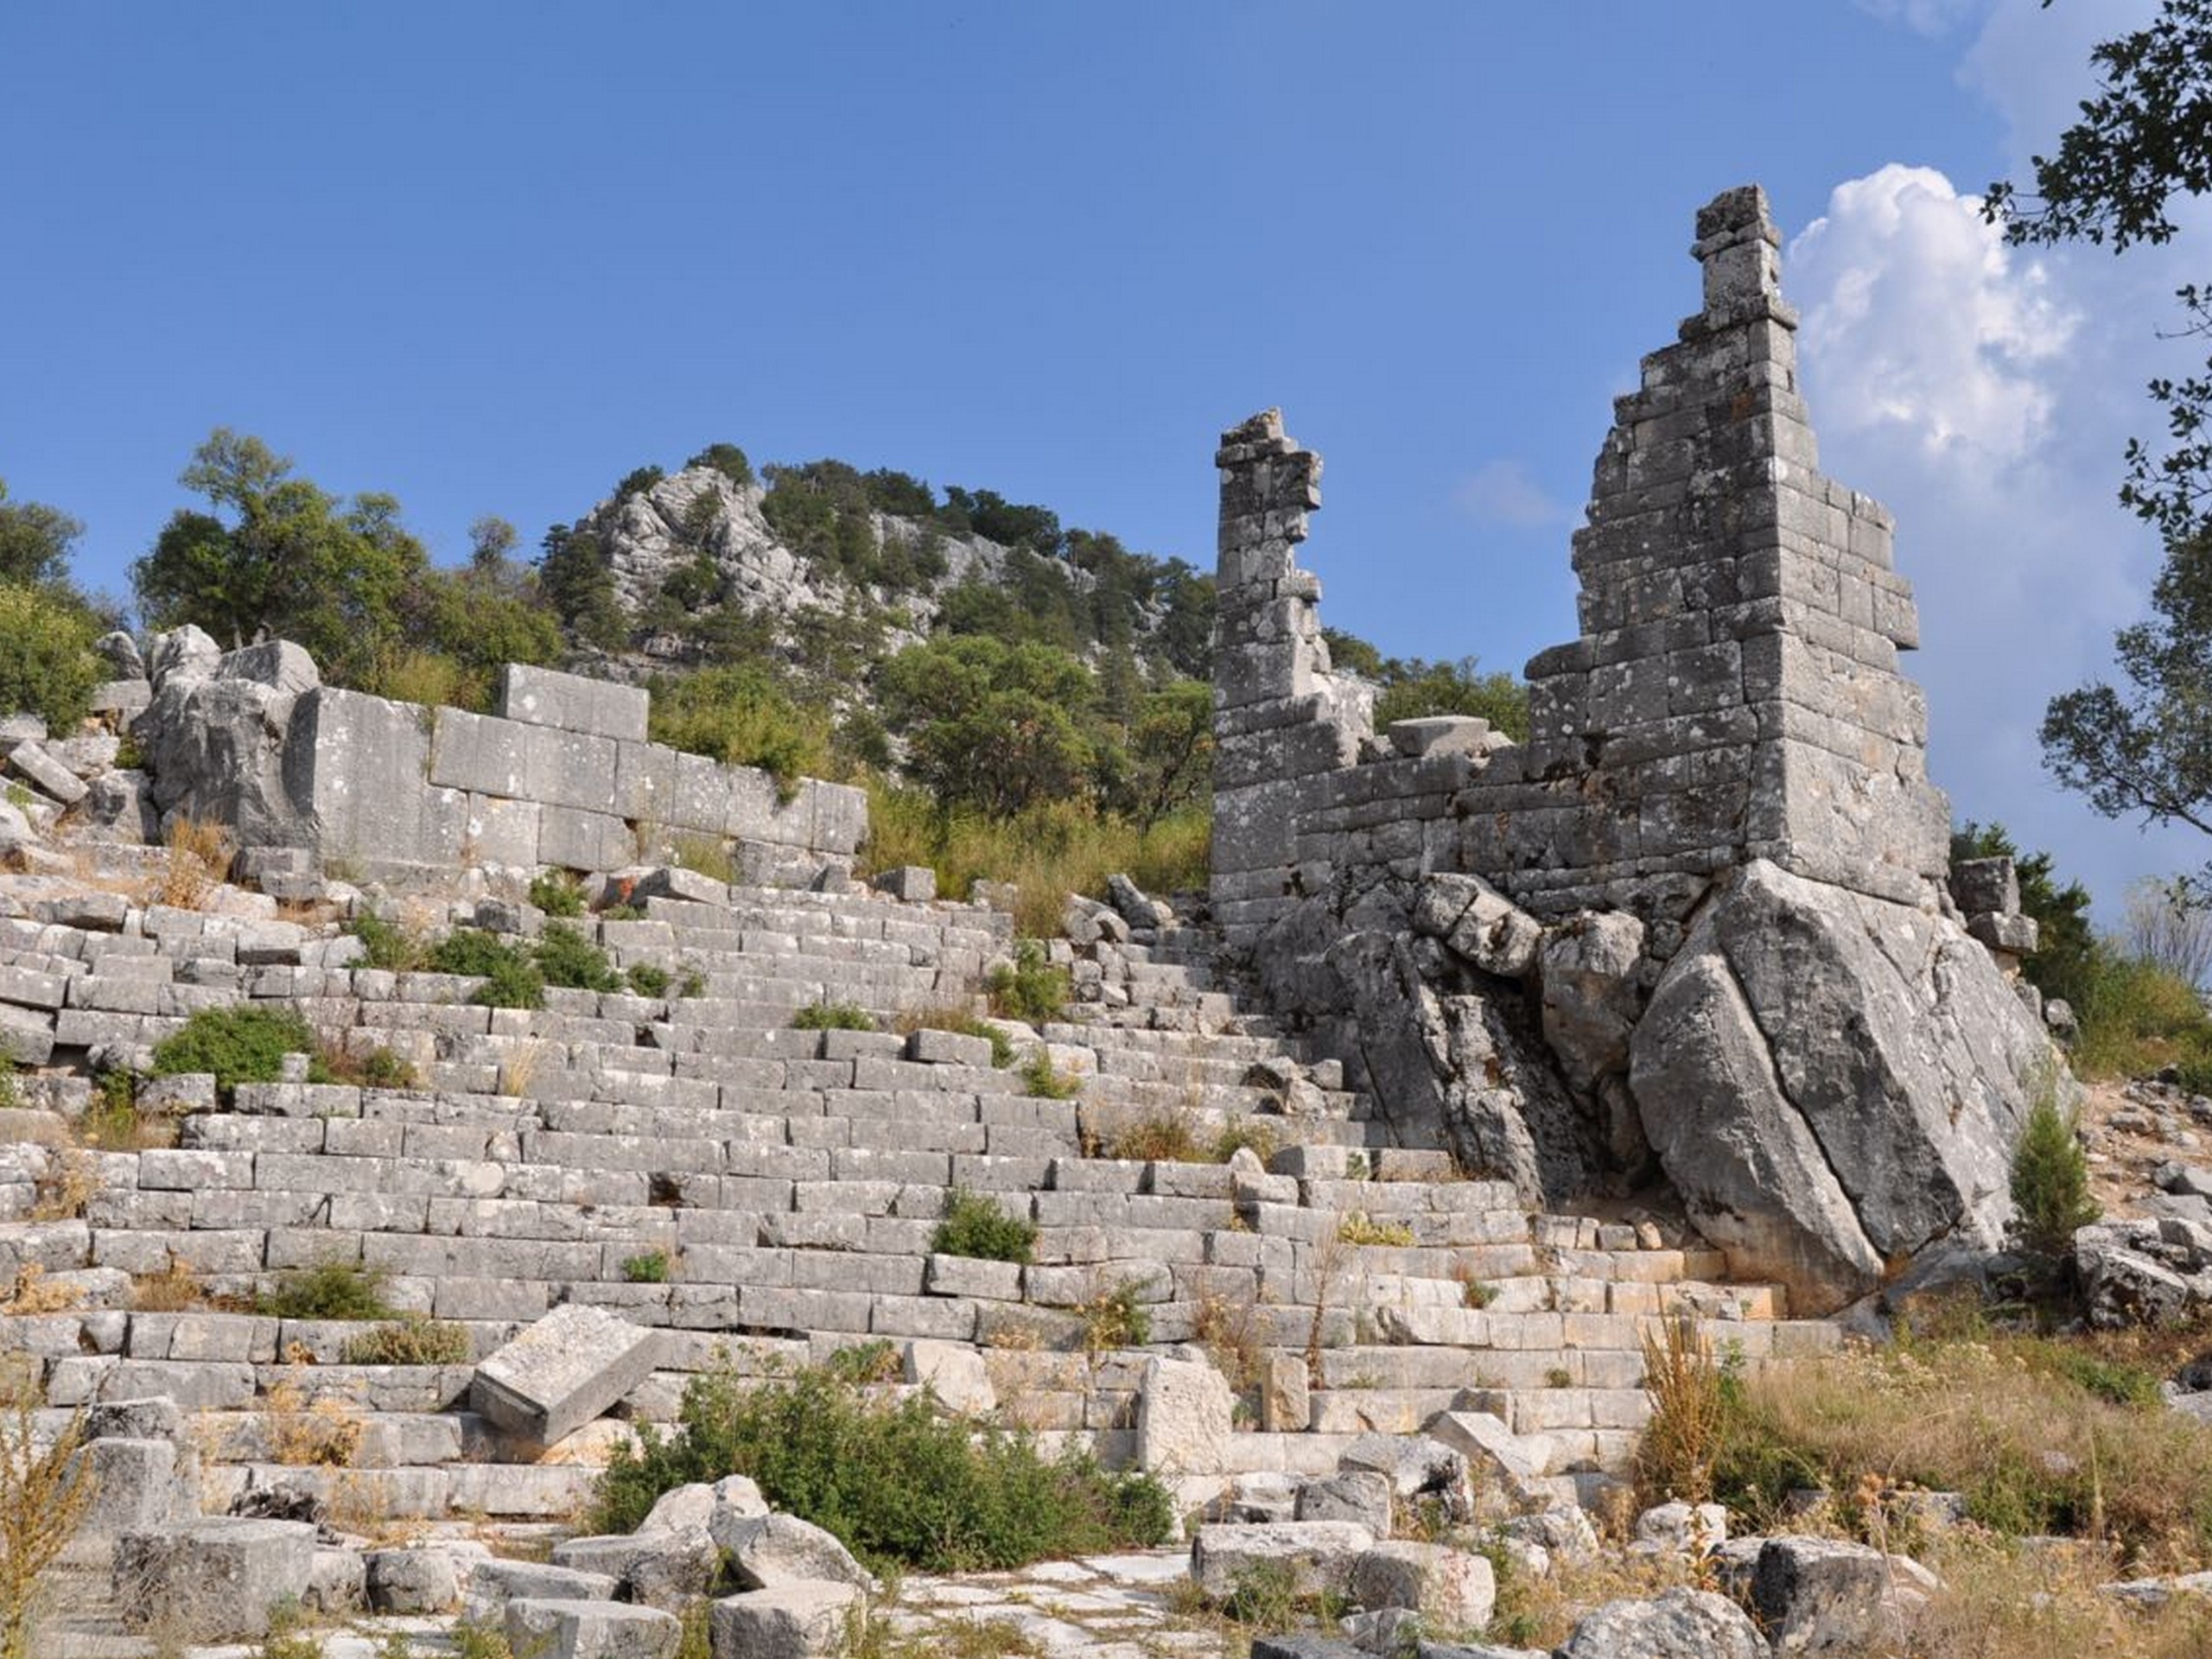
(2003, 1602)
(1155, 1138)
(1358, 1227)
(1046, 854)
(325, 1432)
(176, 1289)
(67, 1187)
(198, 859)
(2042, 1436)
(1233, 1329)
(31, 1293)
(1688, 1409)
(519, 1066)
(1542, 1612)
(41, 1501)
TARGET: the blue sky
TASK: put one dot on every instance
(490, 256)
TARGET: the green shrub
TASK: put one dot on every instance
(707, 855)
(565, 957)
(741, 716)
(329, 1290)
(2050, 1180)
(382, 1069)
(472, 953)
(47, 664)
(1030, 986)
(246, 1044)
(649, 1268)
(899, 1482)
(412, 1339)
(647, 979)
(557, 893)
(833, 1016)
(389, 945)
(976, 1226)
(1041, 1079)
(512, 985)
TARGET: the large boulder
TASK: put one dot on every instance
(1833, 1081)
(1679, 1625)
(213, 736)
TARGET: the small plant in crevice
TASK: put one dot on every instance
(1155, 1138)
(647, 1268)
(1046, 1081)
(1114, 1317)
(1358, 1227)
(962, 1023)
(645, 980)
(388, 944)
(557, 893)
(243, 1044)
(565, 958)
(1030, 987)
(1682, 1438)
(976, 1226)
(833, 1016)
(328, 1290)
(410, 1339)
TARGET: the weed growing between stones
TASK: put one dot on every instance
(1360, 1227)
(833, 1016)
(66, 1186)
(1114, 1317)
(1155, 1138)
(1233, 1331)
(974, 1225)
(176, 1289)
(565, 958)
(375, 1068)
(391, 945)
(1676, 1456)
(198, 858)
(648, 981)
(649, 1268)
(41, 1501)
(557, 893)
(412, 1339)
(246, 1044)
(324, 1432)
(1031, 987)
(899, 1481)
(707, 855)
(328, 1290)
(112, 1121)
(1244, 1134)
(1043, 1080)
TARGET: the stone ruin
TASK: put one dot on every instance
(1699, 922)
(1696, 927)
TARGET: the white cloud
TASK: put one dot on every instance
(1924, 16)
(1985, 397)
(1506, 493)
(1924, 319)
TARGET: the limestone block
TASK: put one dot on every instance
(356, 765)
(134, 1484)
(765, 1552)
(799, 1620)
(484, 754)
(955, 1372)
(584, 841)
(492, 1582)
(1679, 1624)
(674, 881)
(700, 803)
(591, 1629)
(1478, 923)
(1684, 1528)
(1982, 885)
(337, 1584)
(930, 1047)
(563, 1371)
(212, 1580)
(1450, 1588)
(499, 832)
(2017, 934)
(696, 1503)
(125, 697)
(1822, 1595)
(1444, 734)
(645, 781)
(542, 697)
(1185, 1412)
(31, 761)
(1359, 1495)
(911, 884)
(1318, 1553)
(665, 1568)
(425, 1579)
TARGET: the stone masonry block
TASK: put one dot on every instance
(562, 1372)
(542, 696)
(584, 841)
(213, 1579)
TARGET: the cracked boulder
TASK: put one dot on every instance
(1835, 1083)
(213, 736)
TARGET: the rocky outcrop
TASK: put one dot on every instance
(213, 736)
(1834, 1081)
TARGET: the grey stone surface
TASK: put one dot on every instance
(544, 696)
(1184, 1413)
(31, 761)
(665, 1568)
(1452, 1589)
(563, 1371)
(1679, 1624)
(212, 1580)
(1824, 1596)
(801, 1619)
(1317, 1554)
(766, 1551)
(591, 1629)
(1362, 1496)
(423, 1580)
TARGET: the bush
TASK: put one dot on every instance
(512, 978)
(47, 664)
(246, 1044)
(514, 984)
(833, 1016)
(1157, 1138)
(557, 893)
(2050, 1180)
(1046, 1081)
(649, 1268)
(975, 1226)
(1029, 987)
(329, 1290)
(740, 715)
(389, 945)
(565, 957)
(647, 979)
(412, 1339)
(899, 1482)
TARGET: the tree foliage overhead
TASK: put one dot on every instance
(34, 540)
(2142, 144)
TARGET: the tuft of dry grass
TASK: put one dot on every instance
(176, 1289)
(67, 1187)
(1233, 1329)
(1155, 1138)
(325, 1432)
(1358, 1227)
(198, 860)
(44, 1491)
(1542, 1612)
(31, 1293)
(1689, 1412)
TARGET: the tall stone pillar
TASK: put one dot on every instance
(1280, 714)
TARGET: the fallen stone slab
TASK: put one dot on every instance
(562, 1372)
(414, 1580)
(766, 1551)
(1359, 1495)
(666, 1569)
(59, 782)
(1319, 1554)
(1451, 1589)
(591, 1629)
(799, 1620)
(492, 1583)
(213, 1579)
(698, 1502)
(134, 1484)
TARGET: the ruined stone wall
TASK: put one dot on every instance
(1735, 693)
(564, 775)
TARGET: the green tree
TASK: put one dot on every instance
(47, 664)
(35, 540)
(1414, 686)
(281, 558)
(989, 725)
(726, 458)
(2142, 143)
(573, 573)
(1170, 751)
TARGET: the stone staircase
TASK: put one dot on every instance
(791, 1180)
